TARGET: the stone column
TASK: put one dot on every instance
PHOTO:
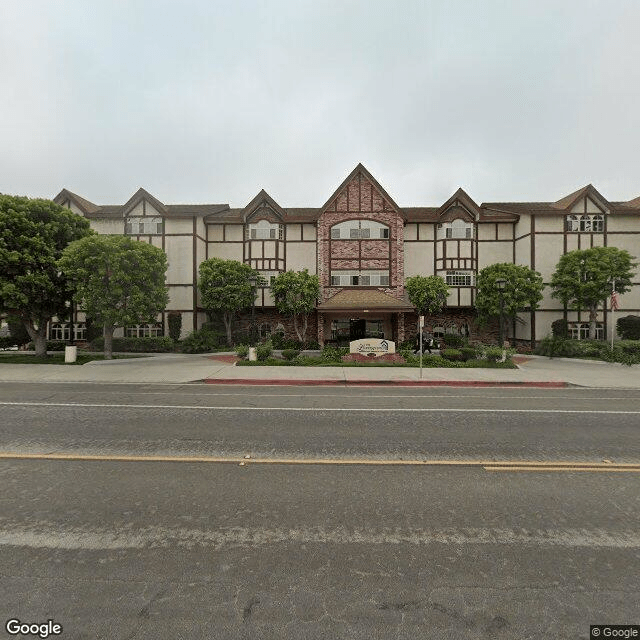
(400, 329)
(321, 329)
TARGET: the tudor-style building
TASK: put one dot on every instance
(363, 246)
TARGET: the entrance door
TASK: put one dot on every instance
(357, 329)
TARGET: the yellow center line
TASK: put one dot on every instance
(488, 465)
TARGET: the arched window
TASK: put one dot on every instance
(264, 329)
(151, 330)
(265, 230)
(585, 223)
(458, 228)
(597, 223)
(358, 229)
(572, 223)
(580, 330)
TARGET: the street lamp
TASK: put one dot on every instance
(501, 284)
(253, 281)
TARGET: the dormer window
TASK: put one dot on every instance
(143, 225)
(359, 229)
(265, 230)
(458, 229)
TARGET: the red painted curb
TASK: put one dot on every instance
(387, 383)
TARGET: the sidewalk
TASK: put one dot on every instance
(536, 371)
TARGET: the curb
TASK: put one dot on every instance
(389, 383)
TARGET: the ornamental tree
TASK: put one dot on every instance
(119, 281)
(33, 234)
(583, 278)
(522, 292)
(428, 294)
(226, 288)
(295, 294)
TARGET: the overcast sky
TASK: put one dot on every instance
(210, 101)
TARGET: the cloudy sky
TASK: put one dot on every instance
(212, 100)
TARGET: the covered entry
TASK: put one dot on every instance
(353, 314)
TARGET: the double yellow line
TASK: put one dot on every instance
(487, 465)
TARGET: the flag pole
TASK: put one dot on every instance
(613, 310)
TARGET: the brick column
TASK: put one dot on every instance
(400, 329)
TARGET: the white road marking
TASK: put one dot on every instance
(317, 409)
(48, 535)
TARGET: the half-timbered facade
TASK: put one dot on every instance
(363, 246)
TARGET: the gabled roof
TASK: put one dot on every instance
(461, 197)
(84, 205)
(260, 200)
(569, 201)
(629, 204)
(362, 170)
(368, 299)
(140, 195)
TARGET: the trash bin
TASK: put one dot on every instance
(70, 354)
(252, 353)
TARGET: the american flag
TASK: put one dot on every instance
(614, 301)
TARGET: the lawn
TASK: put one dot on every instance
(430, 363)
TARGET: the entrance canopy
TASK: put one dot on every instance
(364, 301)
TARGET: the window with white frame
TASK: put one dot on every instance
(459, 278)
(586, 223)
(359, 229)
(62, 331)
(349, 278)
(143, 225)
(150, 330)
(580, 330)
(269, 277)
(265, 230)
(458, 229)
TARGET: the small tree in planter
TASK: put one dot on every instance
(175, 325)
(295, 294)
(428, 294)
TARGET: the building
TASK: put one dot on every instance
(363, 246)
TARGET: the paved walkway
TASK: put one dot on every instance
(183, 368)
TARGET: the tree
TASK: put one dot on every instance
(33, 234)
(295, 294)
(119, 281)
(428, 294)
(225, 286)
(583, 278)
(523, 290)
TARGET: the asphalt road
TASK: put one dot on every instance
(151, 549)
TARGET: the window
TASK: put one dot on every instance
(459, 278)
(586, 223)
(360, 229)
(139, 225)
(62, 331)
(269, 277)
(580, 330)
(144, 330)
(360, 278)
(265, 230)
(264, 330)
(458, 228)
(59, 331)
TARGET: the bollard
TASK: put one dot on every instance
(70, 354)
(252, 354)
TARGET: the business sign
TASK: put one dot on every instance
(376, 346)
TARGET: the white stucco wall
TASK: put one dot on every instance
(418, 259)
(179, 251)
(301, 255)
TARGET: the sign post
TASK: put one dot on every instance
(420, 327)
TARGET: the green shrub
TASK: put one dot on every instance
(94, 330)
(264, 350)
(452, 354)
(560, 328)
(290, 354)
(52, 345)
(18, 331)
(161, 344)
(242, 350)
(175, 325)
(203, 341)
(629, 327)
(493, 354)
(468, 353)
(453, 340)
(7, 341)
(313, 344)
(334, 354)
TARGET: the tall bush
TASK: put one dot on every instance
(175, 325)
(629, 327)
